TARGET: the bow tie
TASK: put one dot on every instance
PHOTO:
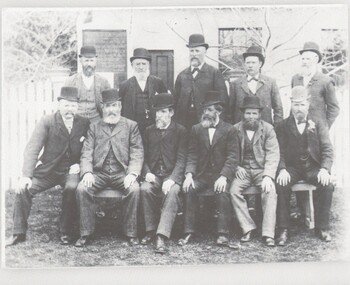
(253, 78)
(195, 69)
(213, 127)
(303, 121)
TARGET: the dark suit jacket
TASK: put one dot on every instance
(265, 147)
(126, 143)
(208, 78)
(128, 90)
(223, 151)
(319, 144)
(324, 104)
(172, 147)
(101, 84)
(52, 135)
(266, 90)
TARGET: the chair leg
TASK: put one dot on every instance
(312, 214)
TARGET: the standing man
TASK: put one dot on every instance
(306, 154)
(258, 161)
(211, 164)
(253, 83)
(138, 91)
(323, 102)
(165, 145)
(61, 135)
(112, 156)
(90, 85)
(193, 83)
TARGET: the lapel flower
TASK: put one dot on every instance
(82, 139)
(311, 126)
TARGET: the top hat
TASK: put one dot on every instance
(69, 94)
(162, 101)
(141, 53)
(197, 40)
(299, 94)
(110, 96)
(251, 102)
(255, 51)
(312, 46)
(212, 98)
(88, 51)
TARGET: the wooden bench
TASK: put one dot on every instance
(309, 203)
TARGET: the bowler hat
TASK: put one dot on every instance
(212, 97)
(110, 96)
(141, 53)
(251, 102)
(69, 94)
(255, 51)
(312, 46)
(162, 101)
(197, 40)
(88, 51)
(299, 94)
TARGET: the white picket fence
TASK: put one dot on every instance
(24, 105)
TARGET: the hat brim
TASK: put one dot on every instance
(142, 57)
(251, 107)
(198, 45)
(111, 101)
(259, 55)
(210, 103)
(71, 100)
(163, 107)
(313, 50)
(88, 55)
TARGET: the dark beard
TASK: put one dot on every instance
(251, 125)
(88, 71)
(207, 121)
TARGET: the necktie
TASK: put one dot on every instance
(253, 78)
(196, 69)
(302, 121)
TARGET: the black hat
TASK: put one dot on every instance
(141, 53)
(197, 40)
(69, 94)
(162, 101)
(87, 51)
(212, 98)
(252, 102)
(255, 51)
(312, 46)
(110, 96)
(299, 94)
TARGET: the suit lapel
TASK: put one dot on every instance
(134, 85)
(241, 139)
(119, 127)
(204, 133)
(258, 133)
(292, 126)
(75, 126)
(244, 84)
(261, 82)
(201, 72)
(218, 132)
(61, 125)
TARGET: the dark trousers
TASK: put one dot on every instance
(23, 201)
(87, 207)
(151, 193)
(322, 196)
(191, 206)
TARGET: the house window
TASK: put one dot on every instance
(233, 43)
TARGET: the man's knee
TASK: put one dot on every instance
(146, 188)
(175, 190)
(134, 189)
(71, 186)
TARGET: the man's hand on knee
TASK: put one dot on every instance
(267, 184)
(241, 173)
(129, 180)
(188, 183)
(167, 186)
(88, 179)
(323, 177)
(220, 184)
(283, 178)
(150, 177)
(24, 183)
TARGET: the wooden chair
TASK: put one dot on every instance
(309, 204)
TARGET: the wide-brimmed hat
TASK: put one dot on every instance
(299, 94)
(251, 102)
(69, 94)
(255, 51)
(141, 53)
(197, 40)
(87, 51)
(312, 46)
(212, 97)
(110, 96)
(162, 101)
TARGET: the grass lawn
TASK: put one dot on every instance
(42, 249)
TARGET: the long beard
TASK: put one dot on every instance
(251, 125)
(111, 118)
(207, 121)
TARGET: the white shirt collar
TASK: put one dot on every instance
(199, 67)
(250, 77)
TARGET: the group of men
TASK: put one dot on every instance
(157, 147)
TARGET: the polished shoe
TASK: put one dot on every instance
(282, 238)
(133, 241)
(14, 239)
(222, 240)
(148, 238)
(65, 239)
(160, 245)
(247, 236)
(186, 239)
(82, 241)
(324, 235)
(269, 241)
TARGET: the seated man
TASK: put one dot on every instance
(210, 166)
(306, 154)
(61, 135)
(258, 160)
(112, 156)
(165, 145)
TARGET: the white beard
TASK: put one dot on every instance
(111, 119)
(142, 76)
